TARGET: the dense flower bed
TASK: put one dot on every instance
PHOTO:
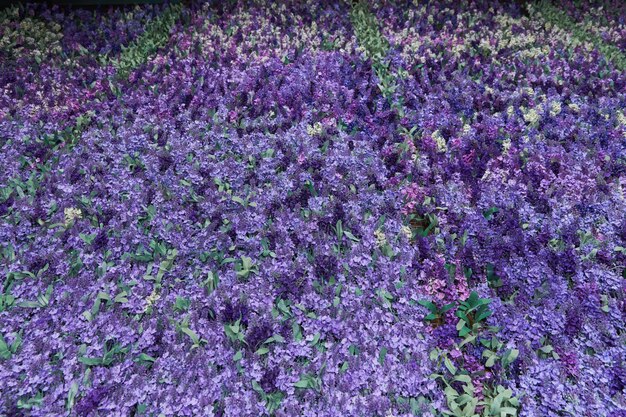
(312, 208)
(526, 156)
(602, 18)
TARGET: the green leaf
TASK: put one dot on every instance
(31, 402)
(143, 357)
(464, 332)
(472, 300)
(483, 315)
(351, 236)
(182, 304)
(17, 342)
(386, 296)
(605, 303)
(463, 378)
(429, 305)
(382, 355)
(234, 327)
(431, 317)
(488, 214)
(103, 296)
(121, 297)
(353, 349)
(508, 411)
(302, 383)
(509, 356)
(246, 262)
(451, 392)
(497, 402)
(460, 314)
(315, 340)
(192, 335)
(71, 396)
(387, 251)
(88, 238)
(469, 339)
(233, 332)
(91, 361)
(546, 349)
(257, 388)
(449, 365)
(29, 304)
(336, 301)
(262, 350)
(5, 353)
(447, 307)
(339, 230)
(297, 332)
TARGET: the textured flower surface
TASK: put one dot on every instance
(313, 208)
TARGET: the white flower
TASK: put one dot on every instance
(555, 108)
(574, 107)
(510, 111)
(506, 145)
(381, 239)
(315, 129)
(71, 214)
(532, 117)
(442, 146)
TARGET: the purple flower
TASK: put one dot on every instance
(234, 312)
(92, 400)
(258, 334)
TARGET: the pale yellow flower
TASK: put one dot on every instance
(381, 239)
(574, 107)
(441, 142)
(532, 117)
(555, 108)
(151, 299)
(71, 214)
